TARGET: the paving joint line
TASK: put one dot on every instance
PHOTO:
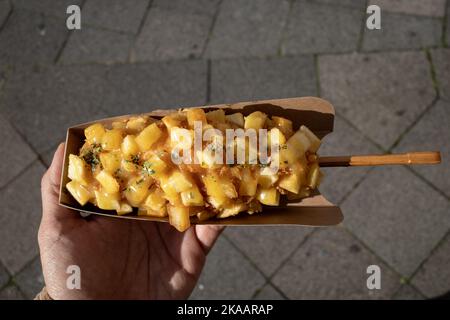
(252, 263)
(433, 73)
(413, 124)
(424, 261)
(372, 251)
(355, 186)
(354, 127)
(131, 51)
(284, 29)
(211, 28)
(445, 23)
(8, 16)
(418, 175)
(362, 30)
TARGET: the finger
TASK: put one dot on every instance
(207, 235)
(50, 186)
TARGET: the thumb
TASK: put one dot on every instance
(207, 235)
(50, 186)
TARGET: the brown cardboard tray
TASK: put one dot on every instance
(317, 114)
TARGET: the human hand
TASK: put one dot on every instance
(118, 258)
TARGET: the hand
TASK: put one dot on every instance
(118, 258)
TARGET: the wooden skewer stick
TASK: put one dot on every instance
(431, 157)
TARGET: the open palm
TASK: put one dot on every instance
(118, 258)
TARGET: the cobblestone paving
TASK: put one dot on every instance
(390, 87)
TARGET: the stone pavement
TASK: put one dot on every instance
(391, 90)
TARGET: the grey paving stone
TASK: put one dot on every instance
(267, 247)
(344, 140)
(432, 133)
(441, 62)
(333, 265)
(208, 7)
(397, 215)
(172, 34)
(447, 31)
(319, 28)
(434, 8)
(56, 8)
(30, 37)
(360, 4)
(17, 155)
(248, 28)
(381, 94)
(268, 292)
(21, 213)
(115, 14)
(407, 292)
(11, 293)
(399, 31)
(4, 276)
(253, 79)
(31, 280)
(96, 45)
(43, 102)
(224, 273)
(155, 85)
(5, 8)
(433, 278)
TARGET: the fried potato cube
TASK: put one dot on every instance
(294, 179)
(255, 120)
(313, 176)
(236, 119)
(79, 192)
(107, 181)
(287, 155)
(154, 166)
(266, 178)
(299, 142)
(181, 138)
(169, 191)
(228, 187)
(180, 181)
(112, 139)
(248, 183)
(148, 137)
(107, 201)
(303, 193)
(94, 133)
(129, 146)
(137, 190)
(119, 124)
(193, 115)
(216, 116)
(283, 124)
(124, 208)
(192, 197)
(174, 120)
(155, 201)
(110, 161)
(313, 139)
(78, 170)
(179, 217)
(269, 197)
(129, 166)
(231, 208)
(214, 189)
(274, 135)
(136, 124)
